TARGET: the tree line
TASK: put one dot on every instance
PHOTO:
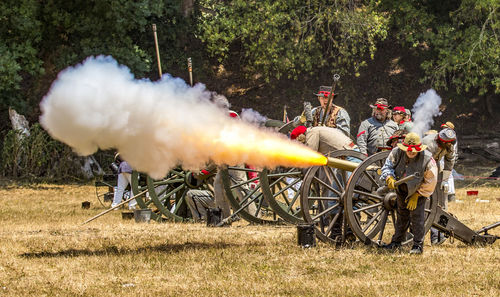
(457, 40)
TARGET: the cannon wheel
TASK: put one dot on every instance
(240, 196)
(264, 213)
(316, 194)
(143, 201)
(371, 215)
(281, 189)
(166, 195)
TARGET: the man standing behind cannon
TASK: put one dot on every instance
(410, 158)
(442, 146)
(337, 117)
(374, 132)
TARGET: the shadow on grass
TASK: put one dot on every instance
(114, 250)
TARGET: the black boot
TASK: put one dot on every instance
(416, 250)
(392, 246)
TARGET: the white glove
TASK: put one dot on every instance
(446, 174)
(444, 186)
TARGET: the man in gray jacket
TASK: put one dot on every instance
(374, 132)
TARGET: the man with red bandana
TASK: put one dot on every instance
(337, 117)
(442, 146)
(374, 132)
(399, 116)
(408, 158)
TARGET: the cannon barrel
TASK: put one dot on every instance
(346, 165)
(341, 164)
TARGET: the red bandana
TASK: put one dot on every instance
(324, 93)
(413, 146)
(451, 140)
(381, 106)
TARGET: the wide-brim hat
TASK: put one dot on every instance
(381, 103)
(398, 134)
(324, 91)
(412, 143)
(448, 125)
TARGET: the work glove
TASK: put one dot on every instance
(302, 118)
(412, 201)
(390, 182)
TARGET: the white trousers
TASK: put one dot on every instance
(124, 179)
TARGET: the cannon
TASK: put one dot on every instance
(345, 203)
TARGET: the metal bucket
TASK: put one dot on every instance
(306, 237)
(214, 216)
(142, 215)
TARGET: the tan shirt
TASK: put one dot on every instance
(430, 179)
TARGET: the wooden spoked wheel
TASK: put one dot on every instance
(372, 214)
(322, 194)
(244, 194)
(166, 197)
(281, 189)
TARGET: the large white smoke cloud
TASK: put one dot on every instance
(154, 125)
(424, 110)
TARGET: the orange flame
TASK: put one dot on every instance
(265, 150)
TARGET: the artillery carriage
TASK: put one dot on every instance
(344, 199)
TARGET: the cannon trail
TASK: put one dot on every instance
(157, 125)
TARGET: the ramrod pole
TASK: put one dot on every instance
(157, 50)
(336, 78)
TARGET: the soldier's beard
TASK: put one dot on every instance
(380, 117)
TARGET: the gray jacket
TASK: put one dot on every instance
(373, 135)
(440, 152)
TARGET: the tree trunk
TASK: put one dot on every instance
(187, 7)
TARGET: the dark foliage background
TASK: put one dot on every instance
(260, 54)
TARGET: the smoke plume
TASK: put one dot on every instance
(424, 110)
(251, 116)
(157, 125)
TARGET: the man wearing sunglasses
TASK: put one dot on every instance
(374, 132)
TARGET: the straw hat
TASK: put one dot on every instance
(412, 142)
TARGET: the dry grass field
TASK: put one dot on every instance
(45, 251)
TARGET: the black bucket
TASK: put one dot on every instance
(86, 204)
(127, 215)
(306, 237)
(214, 216)
(142, 215)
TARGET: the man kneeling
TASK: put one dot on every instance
(410, 157)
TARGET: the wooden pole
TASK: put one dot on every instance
(157, 50)
(112, 208)
(190, 69)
